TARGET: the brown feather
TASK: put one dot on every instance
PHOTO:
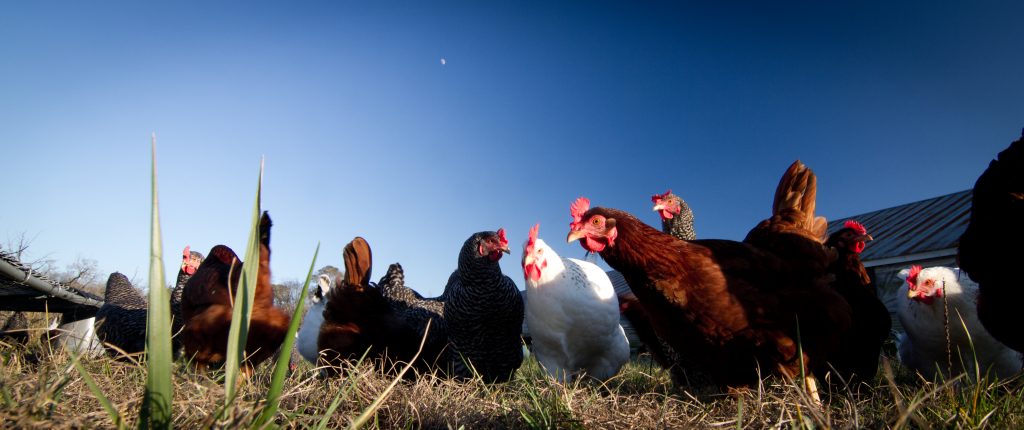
(207, 307)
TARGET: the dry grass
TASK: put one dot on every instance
(41, 390)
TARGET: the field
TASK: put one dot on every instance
(40, 389)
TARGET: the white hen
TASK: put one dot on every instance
(572, 314)
(306, 338)
(922, 311)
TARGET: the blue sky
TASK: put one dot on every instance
(366, 132)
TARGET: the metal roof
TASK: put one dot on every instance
(24, 289)
(923, 229)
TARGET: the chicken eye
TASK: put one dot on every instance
(595, 221)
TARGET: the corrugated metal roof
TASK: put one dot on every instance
(925, 226)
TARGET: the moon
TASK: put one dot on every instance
(443, 61)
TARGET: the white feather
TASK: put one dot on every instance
(923, 346)
(572, 314)
(309, 331)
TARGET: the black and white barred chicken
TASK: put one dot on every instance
(15, 329)
(676, 220)
(190, 261)
(676, 215)
(417, 312)
(484, 312)
(121, 321)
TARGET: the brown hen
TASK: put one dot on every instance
(734, 307)
(359, 320)
(206, 306)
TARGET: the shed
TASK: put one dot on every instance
(924, 233)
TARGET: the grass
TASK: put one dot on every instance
(42, 391)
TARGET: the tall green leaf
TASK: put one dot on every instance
(156, 403)
(284, 356)
(245, 294)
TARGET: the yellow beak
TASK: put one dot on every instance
(911, 294)
(574, 236)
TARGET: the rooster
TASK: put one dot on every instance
(484, 312)
(206, 306)
(190, 261)
(121, 321)
(572, 314)
(989, 248)
(736, 306)
(942, 331)
(358, 320)
(309, 331)
(858, 357)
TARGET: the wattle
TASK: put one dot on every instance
(593, 245)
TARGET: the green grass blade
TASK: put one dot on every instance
(115, 416)
(156, 403)
(244, 296)
(283, 358)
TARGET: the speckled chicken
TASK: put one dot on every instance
(190, 261)
(15, 329)
(676, 215)
(121, 321)
(484, 312)
(417, 312)
(206, 306)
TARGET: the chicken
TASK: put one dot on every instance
(676, 215)
(989, 248)
(677, 220)
(309, 331)
(572, 314)
(424, 316)
(121, 321)
(734, 305)
(858, 357)
(357, 319)
(15, 329)
(206, 306)
(190, 261)
(936, 309)
(484, 312)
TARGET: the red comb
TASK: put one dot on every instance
(577, 209)
(533, 233)
(501, 236)
(912, 277)
(856, 226)
(187, 252)
(656, 197)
